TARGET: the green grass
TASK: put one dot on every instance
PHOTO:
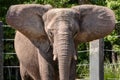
(82, 71)
(111, 71)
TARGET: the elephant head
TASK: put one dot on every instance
(62, 26)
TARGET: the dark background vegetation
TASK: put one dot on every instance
(112, 42)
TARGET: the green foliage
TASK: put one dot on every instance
(82, 71)
(8, 34)
(114, 5)
(83, 55)
(112, 72)
(98, 2)
(54, 3)
(113, 38)
(10, 60)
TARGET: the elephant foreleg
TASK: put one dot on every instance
(24, 73)
(46, 68)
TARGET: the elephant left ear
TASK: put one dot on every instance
(27, 19)
(94, 22)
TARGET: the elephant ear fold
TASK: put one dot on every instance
(27, 18)
(94, 22)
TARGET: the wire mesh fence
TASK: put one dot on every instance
(10, 65)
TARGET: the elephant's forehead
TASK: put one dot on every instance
(62, 11)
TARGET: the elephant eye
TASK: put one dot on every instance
(50, 33)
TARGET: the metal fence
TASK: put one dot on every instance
(10, 63)
(95, 70)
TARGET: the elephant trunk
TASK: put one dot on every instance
(64, 52)
(64, 67)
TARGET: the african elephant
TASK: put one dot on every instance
(44, 40)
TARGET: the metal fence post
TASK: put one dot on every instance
(1, 51)
(97, 60)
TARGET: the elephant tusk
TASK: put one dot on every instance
(55, 57)
(75, 57)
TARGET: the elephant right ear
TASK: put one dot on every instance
(94, 22)
(27, 19)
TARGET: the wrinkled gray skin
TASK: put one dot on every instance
(44, 36)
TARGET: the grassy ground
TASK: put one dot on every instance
(111, 72)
